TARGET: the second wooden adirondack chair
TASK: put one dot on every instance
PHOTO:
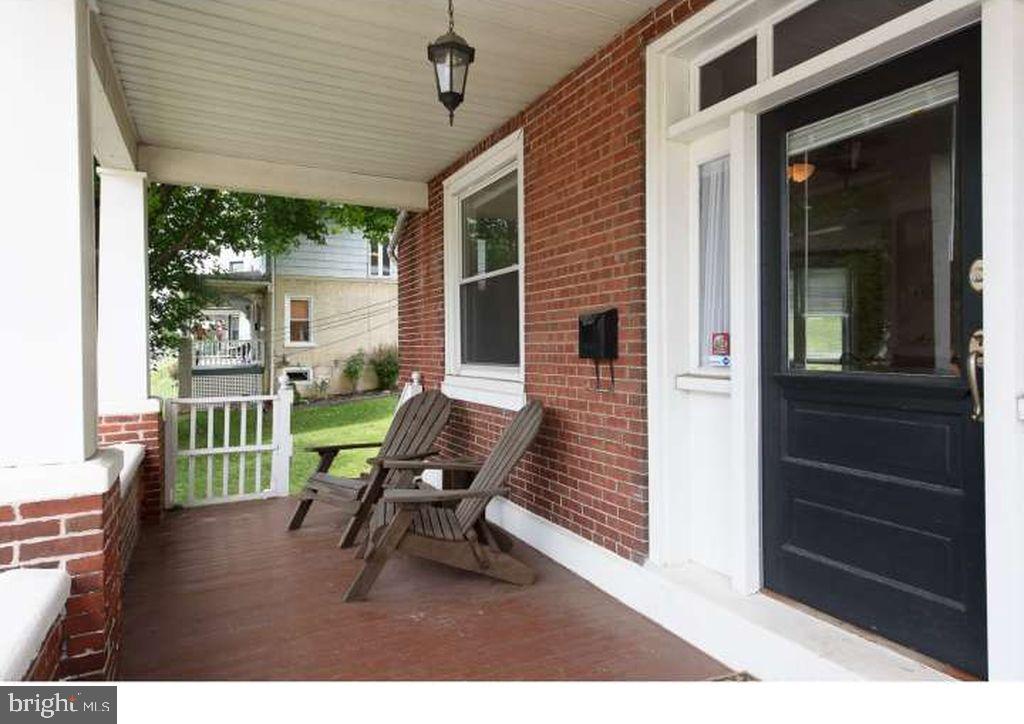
(420, 523)
(415, 427)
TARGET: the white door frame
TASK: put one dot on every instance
(1002, 144)
(672, 124)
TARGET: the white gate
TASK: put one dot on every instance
(223, 449)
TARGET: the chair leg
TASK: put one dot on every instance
(494, 536)
(373, 536)
(355, 523)
(378, 556)
(506, 568)
(300, 513)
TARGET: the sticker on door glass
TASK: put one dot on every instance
(720, 354)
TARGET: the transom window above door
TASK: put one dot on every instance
(483, 275)
(778, 36)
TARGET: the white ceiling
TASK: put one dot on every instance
(340, 84)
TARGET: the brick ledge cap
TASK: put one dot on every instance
(129, 407)
(32, 483)
(31, 600)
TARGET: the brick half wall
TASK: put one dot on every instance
(147, 430)
(584, 185)
(92, 538)
(84, 537)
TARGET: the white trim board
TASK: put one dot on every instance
(751, 633)
(190, 168)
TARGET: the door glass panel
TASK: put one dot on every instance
(872, 237)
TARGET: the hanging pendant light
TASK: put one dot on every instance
(451, 57)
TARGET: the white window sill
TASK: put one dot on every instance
(299, 345)
(704, 382)
(504, 394)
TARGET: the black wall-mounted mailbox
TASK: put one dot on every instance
(599, 335)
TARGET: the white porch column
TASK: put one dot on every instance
(1003, 222)
(123, 339)
(47, 253)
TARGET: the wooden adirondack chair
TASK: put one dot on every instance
(414, 429)
(420, 522)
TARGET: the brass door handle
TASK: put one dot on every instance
(975, 360)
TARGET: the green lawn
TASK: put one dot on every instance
(363, 420)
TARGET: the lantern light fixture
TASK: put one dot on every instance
(451, 57)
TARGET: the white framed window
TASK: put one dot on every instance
(483, 275)
(380, 264)
(298, 321)
(709, 345)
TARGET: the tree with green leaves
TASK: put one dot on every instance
(188, 227)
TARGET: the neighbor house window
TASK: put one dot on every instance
(483, 275)
(380, 263)
(298, 317)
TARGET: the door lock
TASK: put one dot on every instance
(976, 275)
(975, 361)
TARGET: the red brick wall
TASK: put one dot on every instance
(584, 229)
(83, 536)
(145, 429)
(46, 666)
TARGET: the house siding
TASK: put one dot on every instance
(585, 249)
(343, 255)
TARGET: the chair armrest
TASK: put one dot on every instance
(415, 496)
(322, 449)
(465, 464)
(412, 456)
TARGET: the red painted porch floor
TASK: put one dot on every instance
(226, 593)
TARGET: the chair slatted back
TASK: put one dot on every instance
(510, 448)
(416, 426)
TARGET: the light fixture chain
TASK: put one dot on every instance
(451, 16)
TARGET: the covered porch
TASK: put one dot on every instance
(590, 104)
(226, 593)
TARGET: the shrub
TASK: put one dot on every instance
(354, 367)
(385, 363)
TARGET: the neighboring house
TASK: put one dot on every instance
(303, 313)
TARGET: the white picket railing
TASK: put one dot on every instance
(209, 353)
(227, 448)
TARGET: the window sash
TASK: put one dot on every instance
(299, 322)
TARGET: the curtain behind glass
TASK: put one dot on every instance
(714, 257)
